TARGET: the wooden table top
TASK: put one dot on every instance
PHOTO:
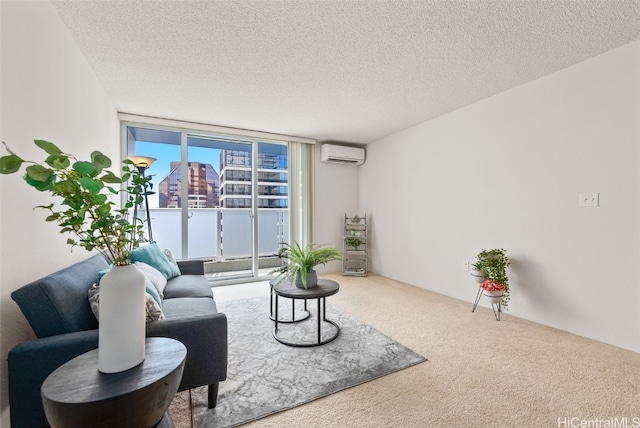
(79, 381)
(325, 288)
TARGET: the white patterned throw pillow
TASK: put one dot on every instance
(152, 308)
(167, 252)
(94, 300)
(154, 275)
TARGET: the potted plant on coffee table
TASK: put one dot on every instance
(299, 263)
(492, 267)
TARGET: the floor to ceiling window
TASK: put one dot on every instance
(216, 197)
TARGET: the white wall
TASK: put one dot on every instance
(336, 193)
(48, 92)
(506, 172)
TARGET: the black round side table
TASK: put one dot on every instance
(76, 394)
(324, 289)
(303, 315)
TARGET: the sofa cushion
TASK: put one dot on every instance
(57, 303)
(153, 309)
(152, 255)
(188, 307)
(151, 291)
(167, 252)
(154, 275)
(187, 286)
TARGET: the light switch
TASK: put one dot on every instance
(589, 199)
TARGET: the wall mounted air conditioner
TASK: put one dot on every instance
(341, 154)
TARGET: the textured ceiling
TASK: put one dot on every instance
(351, 71)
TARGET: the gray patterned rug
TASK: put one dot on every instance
(266, 377)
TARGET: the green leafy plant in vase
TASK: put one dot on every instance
(298, 263)
(86, 190)
(492, 265)
(84, 207)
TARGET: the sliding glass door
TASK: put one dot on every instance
(221, 199)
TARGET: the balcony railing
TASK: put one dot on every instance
(220, 234)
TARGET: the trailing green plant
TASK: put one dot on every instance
(86, 208)
(493, 266)
(302, 260)
(354, 242)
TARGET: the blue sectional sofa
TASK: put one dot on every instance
(58, 311)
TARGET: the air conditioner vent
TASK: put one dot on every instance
(342, 154)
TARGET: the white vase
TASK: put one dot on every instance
(121, 324)
(494, 296)
(477, 276)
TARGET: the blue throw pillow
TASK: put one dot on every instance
(150, 289)
(103, 273)
(148, 285)
(153, 256)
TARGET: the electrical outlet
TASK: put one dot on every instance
(588, 199)
(466, 266)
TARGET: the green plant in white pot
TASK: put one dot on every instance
(353, 242)
(84, 207)
(492, 266)
(299, 263)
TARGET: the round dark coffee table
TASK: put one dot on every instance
(324, 289)
(76, 394)
(302, 315)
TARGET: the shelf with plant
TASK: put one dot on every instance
(492, 265)
(353, 243)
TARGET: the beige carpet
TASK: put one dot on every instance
(480, 373)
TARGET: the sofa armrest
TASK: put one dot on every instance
(191, 267)
(29, 364)
(205, 337)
